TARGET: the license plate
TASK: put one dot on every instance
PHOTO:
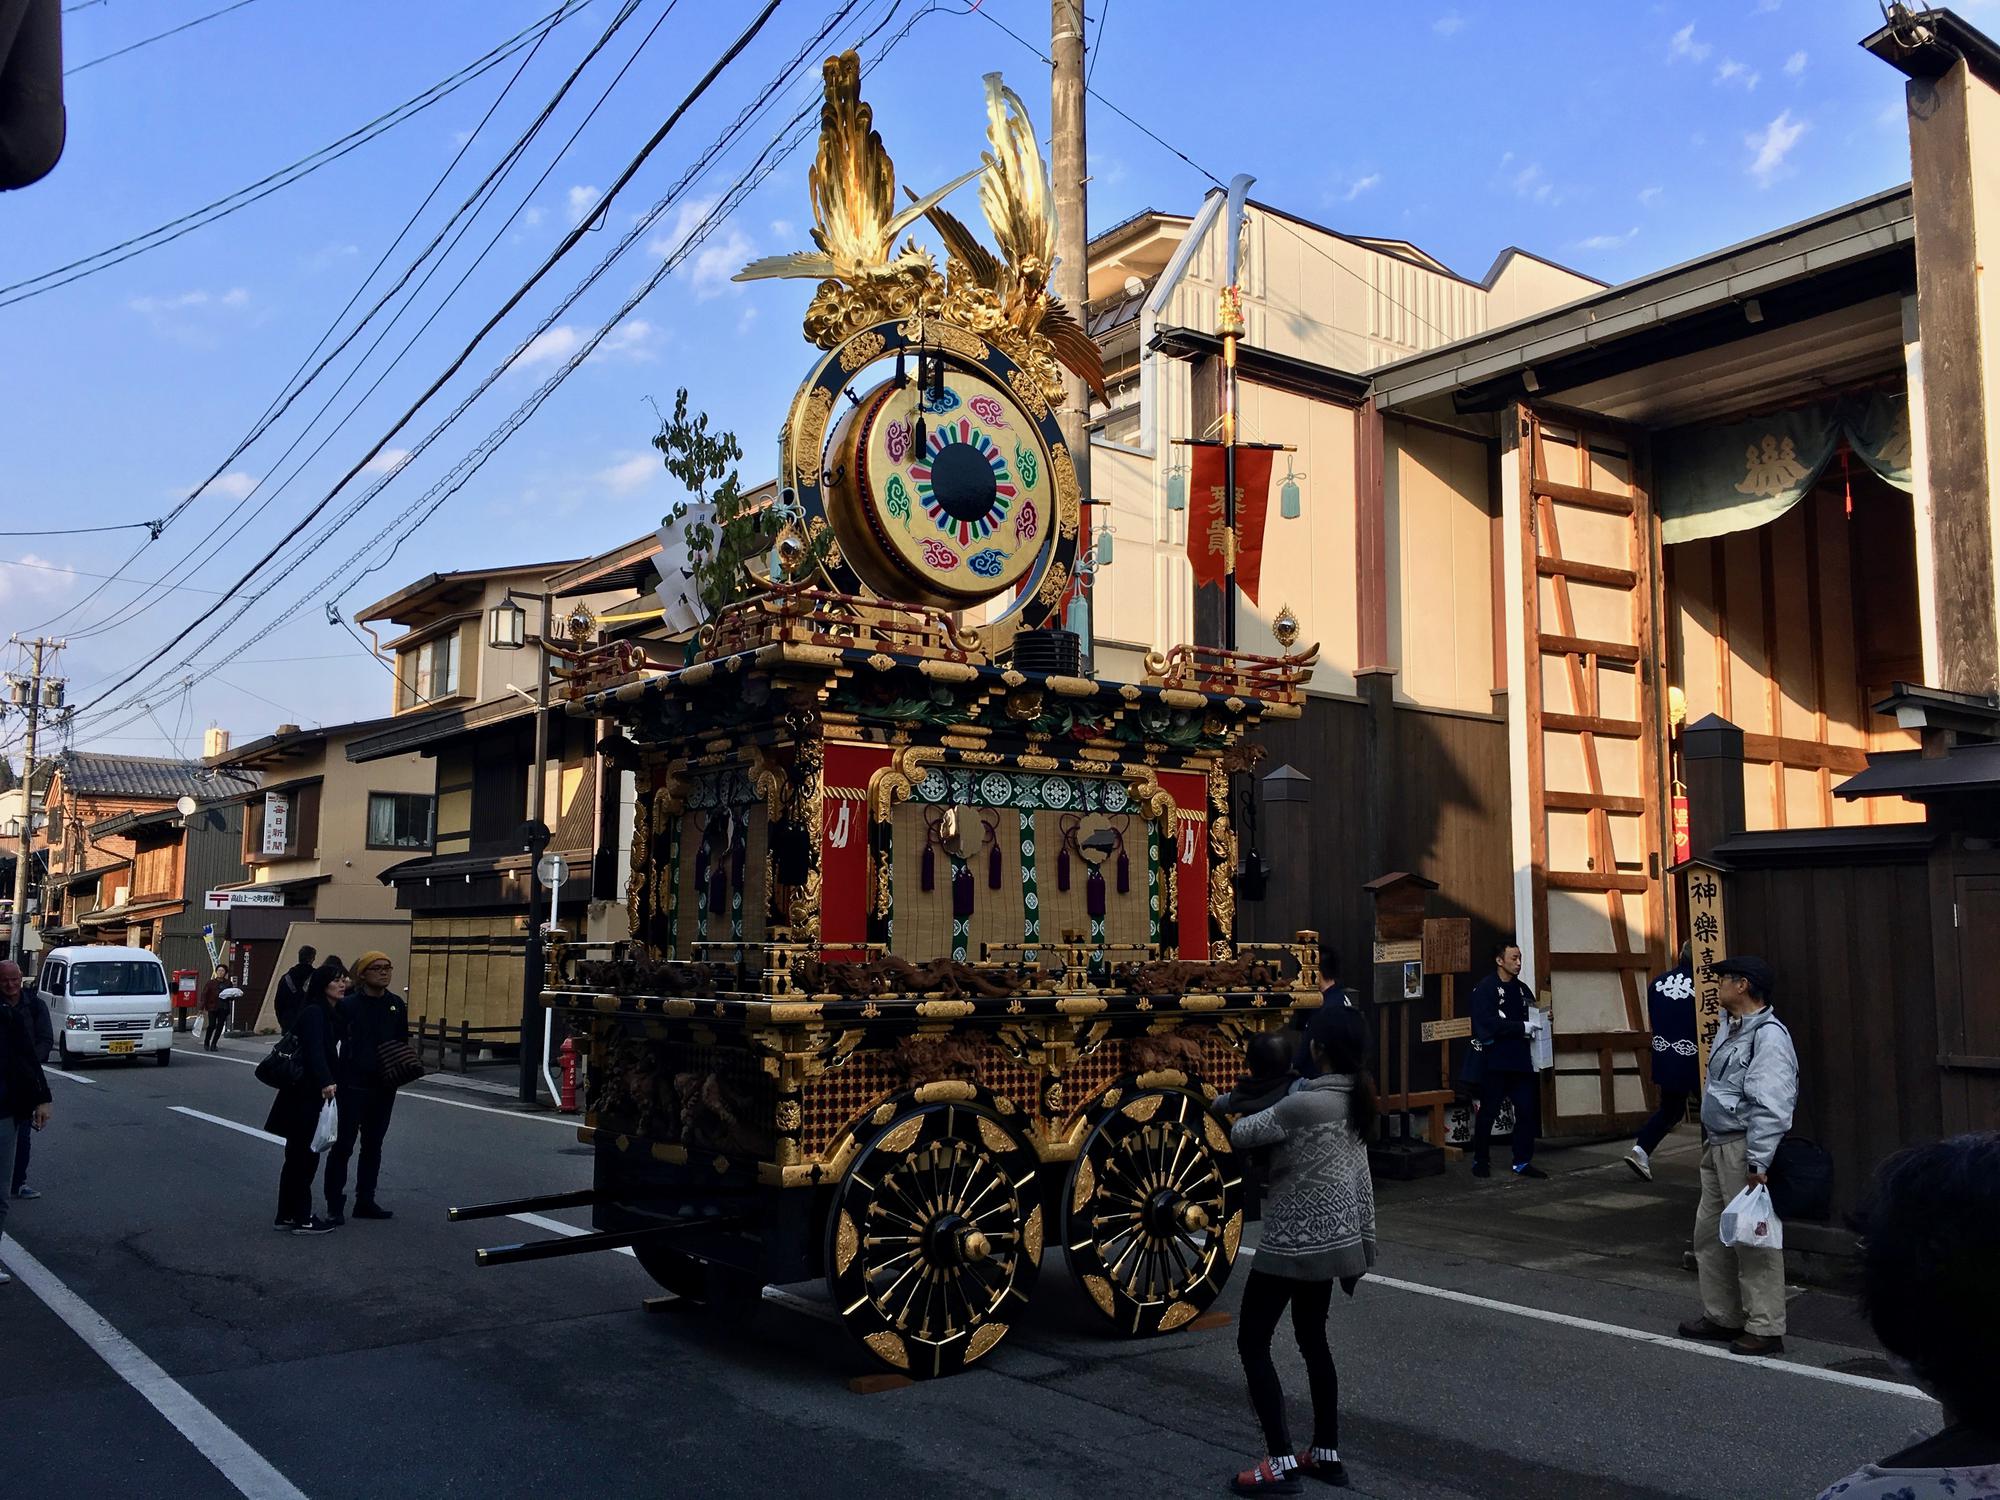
(119, 1047)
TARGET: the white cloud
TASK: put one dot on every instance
(1795, 64)
(235, 484)
(1608, 241)
(1531, 182)
(1451, 23)
(1764, 6)
(386, 460)
(550, 346)
(631, 473)
(781, 229)
(716, 259)
(1733, 71)
(1361, 185)
(328, 256)
(531, 215)
(747, 321)
(190, 317)
(1772, 145)
(632, 340)
(581, 200)
(1682, 45)
(236, 296)
(36, 578)
(1649, 196)
(1893, 115)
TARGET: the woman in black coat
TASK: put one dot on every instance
(295, 1112)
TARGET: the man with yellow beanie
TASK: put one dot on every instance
(371, 1017)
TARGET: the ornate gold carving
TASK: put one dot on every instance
(858, 350)
(1086, 1184)
(1162, 1078)
(889, 1347)
(994, 1136)
(1218, 1138)
(1031, 394)
(901, 1137)
(767, 780)
(790, 1114)
(1100, 1293)
(946, 1091)
(846, 1241)
(984, 1337)
(1232, 1235)
(1069, 493)
(1179, 1313)
(945, 1010)
(1031, 1234)
(1144, 1107)
(1055, 585)
(808, 425)
(899, 778)
(1222, 861)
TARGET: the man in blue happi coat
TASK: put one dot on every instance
(1670, 1007)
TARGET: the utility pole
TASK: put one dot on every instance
(1072, 274)
(35, 695)
(535, 840)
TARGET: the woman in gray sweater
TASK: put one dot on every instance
(1319, 1228)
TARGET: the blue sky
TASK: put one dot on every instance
(1616, 138)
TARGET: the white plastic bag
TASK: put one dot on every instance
(1541, 1039)
(328, 1127)
(1749, 1222)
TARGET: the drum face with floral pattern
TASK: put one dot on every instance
(950, 486)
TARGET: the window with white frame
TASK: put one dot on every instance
(399, 820)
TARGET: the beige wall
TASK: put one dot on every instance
(1983, 134)
(1438, 534)
(1525, 286)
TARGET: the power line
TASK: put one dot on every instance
(290, 393)
(569, 241)
(1103, 19)
(22, 562)
(158, 37)
(284, 176)
(152, 526)
(773, 154)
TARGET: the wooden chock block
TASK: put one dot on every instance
(1211, 1320)
(869, 1385)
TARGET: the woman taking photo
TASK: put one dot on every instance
(295, 1112)
(1319, 1228)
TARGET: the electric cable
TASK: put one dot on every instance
(135, 607)
(773, 154)
(151, 526)
(568, 242)
(159, 37)
(221, 207)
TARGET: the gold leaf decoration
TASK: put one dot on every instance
(890, 1348)
(1053, 588)
(858, 350)
(995, 1137)
(1031, 1235)
(1144, 1107)
(1179, 1313)
(846, 1241)
(984, 1337)
(1232, 1235)
(1086, 1184)
(1100, 1293)
(809, 423)
(901, 1137)
(1217, 1136)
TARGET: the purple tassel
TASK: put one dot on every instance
(929, 868)
(1062, 871)
(962, 887)
(1124, 874)
(1093, 894)
(993, 868)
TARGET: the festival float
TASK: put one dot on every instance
(932, 964)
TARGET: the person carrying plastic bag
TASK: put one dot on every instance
(1753, 1085)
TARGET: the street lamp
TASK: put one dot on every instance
(507, 625)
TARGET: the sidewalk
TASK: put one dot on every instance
(255, 1048)
(1594, 1218)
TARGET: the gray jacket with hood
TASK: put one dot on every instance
(1753, 1085)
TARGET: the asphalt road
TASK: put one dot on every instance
(379, 1361)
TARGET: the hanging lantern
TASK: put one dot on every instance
(1103, 548)
(1177, 487)
(1288, 493)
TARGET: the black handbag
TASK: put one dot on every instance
(282, 1066)
(1801, 1180)
(398, 1064)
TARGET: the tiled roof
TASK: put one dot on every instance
(147, 776)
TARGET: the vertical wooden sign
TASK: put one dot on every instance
(1710, 938)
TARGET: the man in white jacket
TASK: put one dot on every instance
(1753, 1085)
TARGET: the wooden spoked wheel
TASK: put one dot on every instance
(1154, 1210)
(935, 1239)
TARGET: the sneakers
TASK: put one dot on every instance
(314, 1225)
(334, 1218)
(1266, 1479)
(24, 1191)
(4, 1278)
(1529, 1169)
(371, 1211)
(1640, 1163)
(1755, 1343)
(1481, 1169)
(284, 1225)
(1706, 1328)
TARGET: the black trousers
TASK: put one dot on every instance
(1265, 1298)
(295, 1178)
(1526, 1093)
(212, 1031)
(1673, 1109)
(364, 1116)
(21, 1139)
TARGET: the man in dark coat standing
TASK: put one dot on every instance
(24, 1089)
(1670, 1008)
(292, 987)
(42, 1041)
(370, 1015)
(1499, 1008)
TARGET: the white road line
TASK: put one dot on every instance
(567, 1122)
(65, 1073)
(771, 1293)
(1647, 1336)
(243, 1466)
(262, 1135)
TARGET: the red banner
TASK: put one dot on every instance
(1207, 543)
(843, 847)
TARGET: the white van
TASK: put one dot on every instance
(107, 1002)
